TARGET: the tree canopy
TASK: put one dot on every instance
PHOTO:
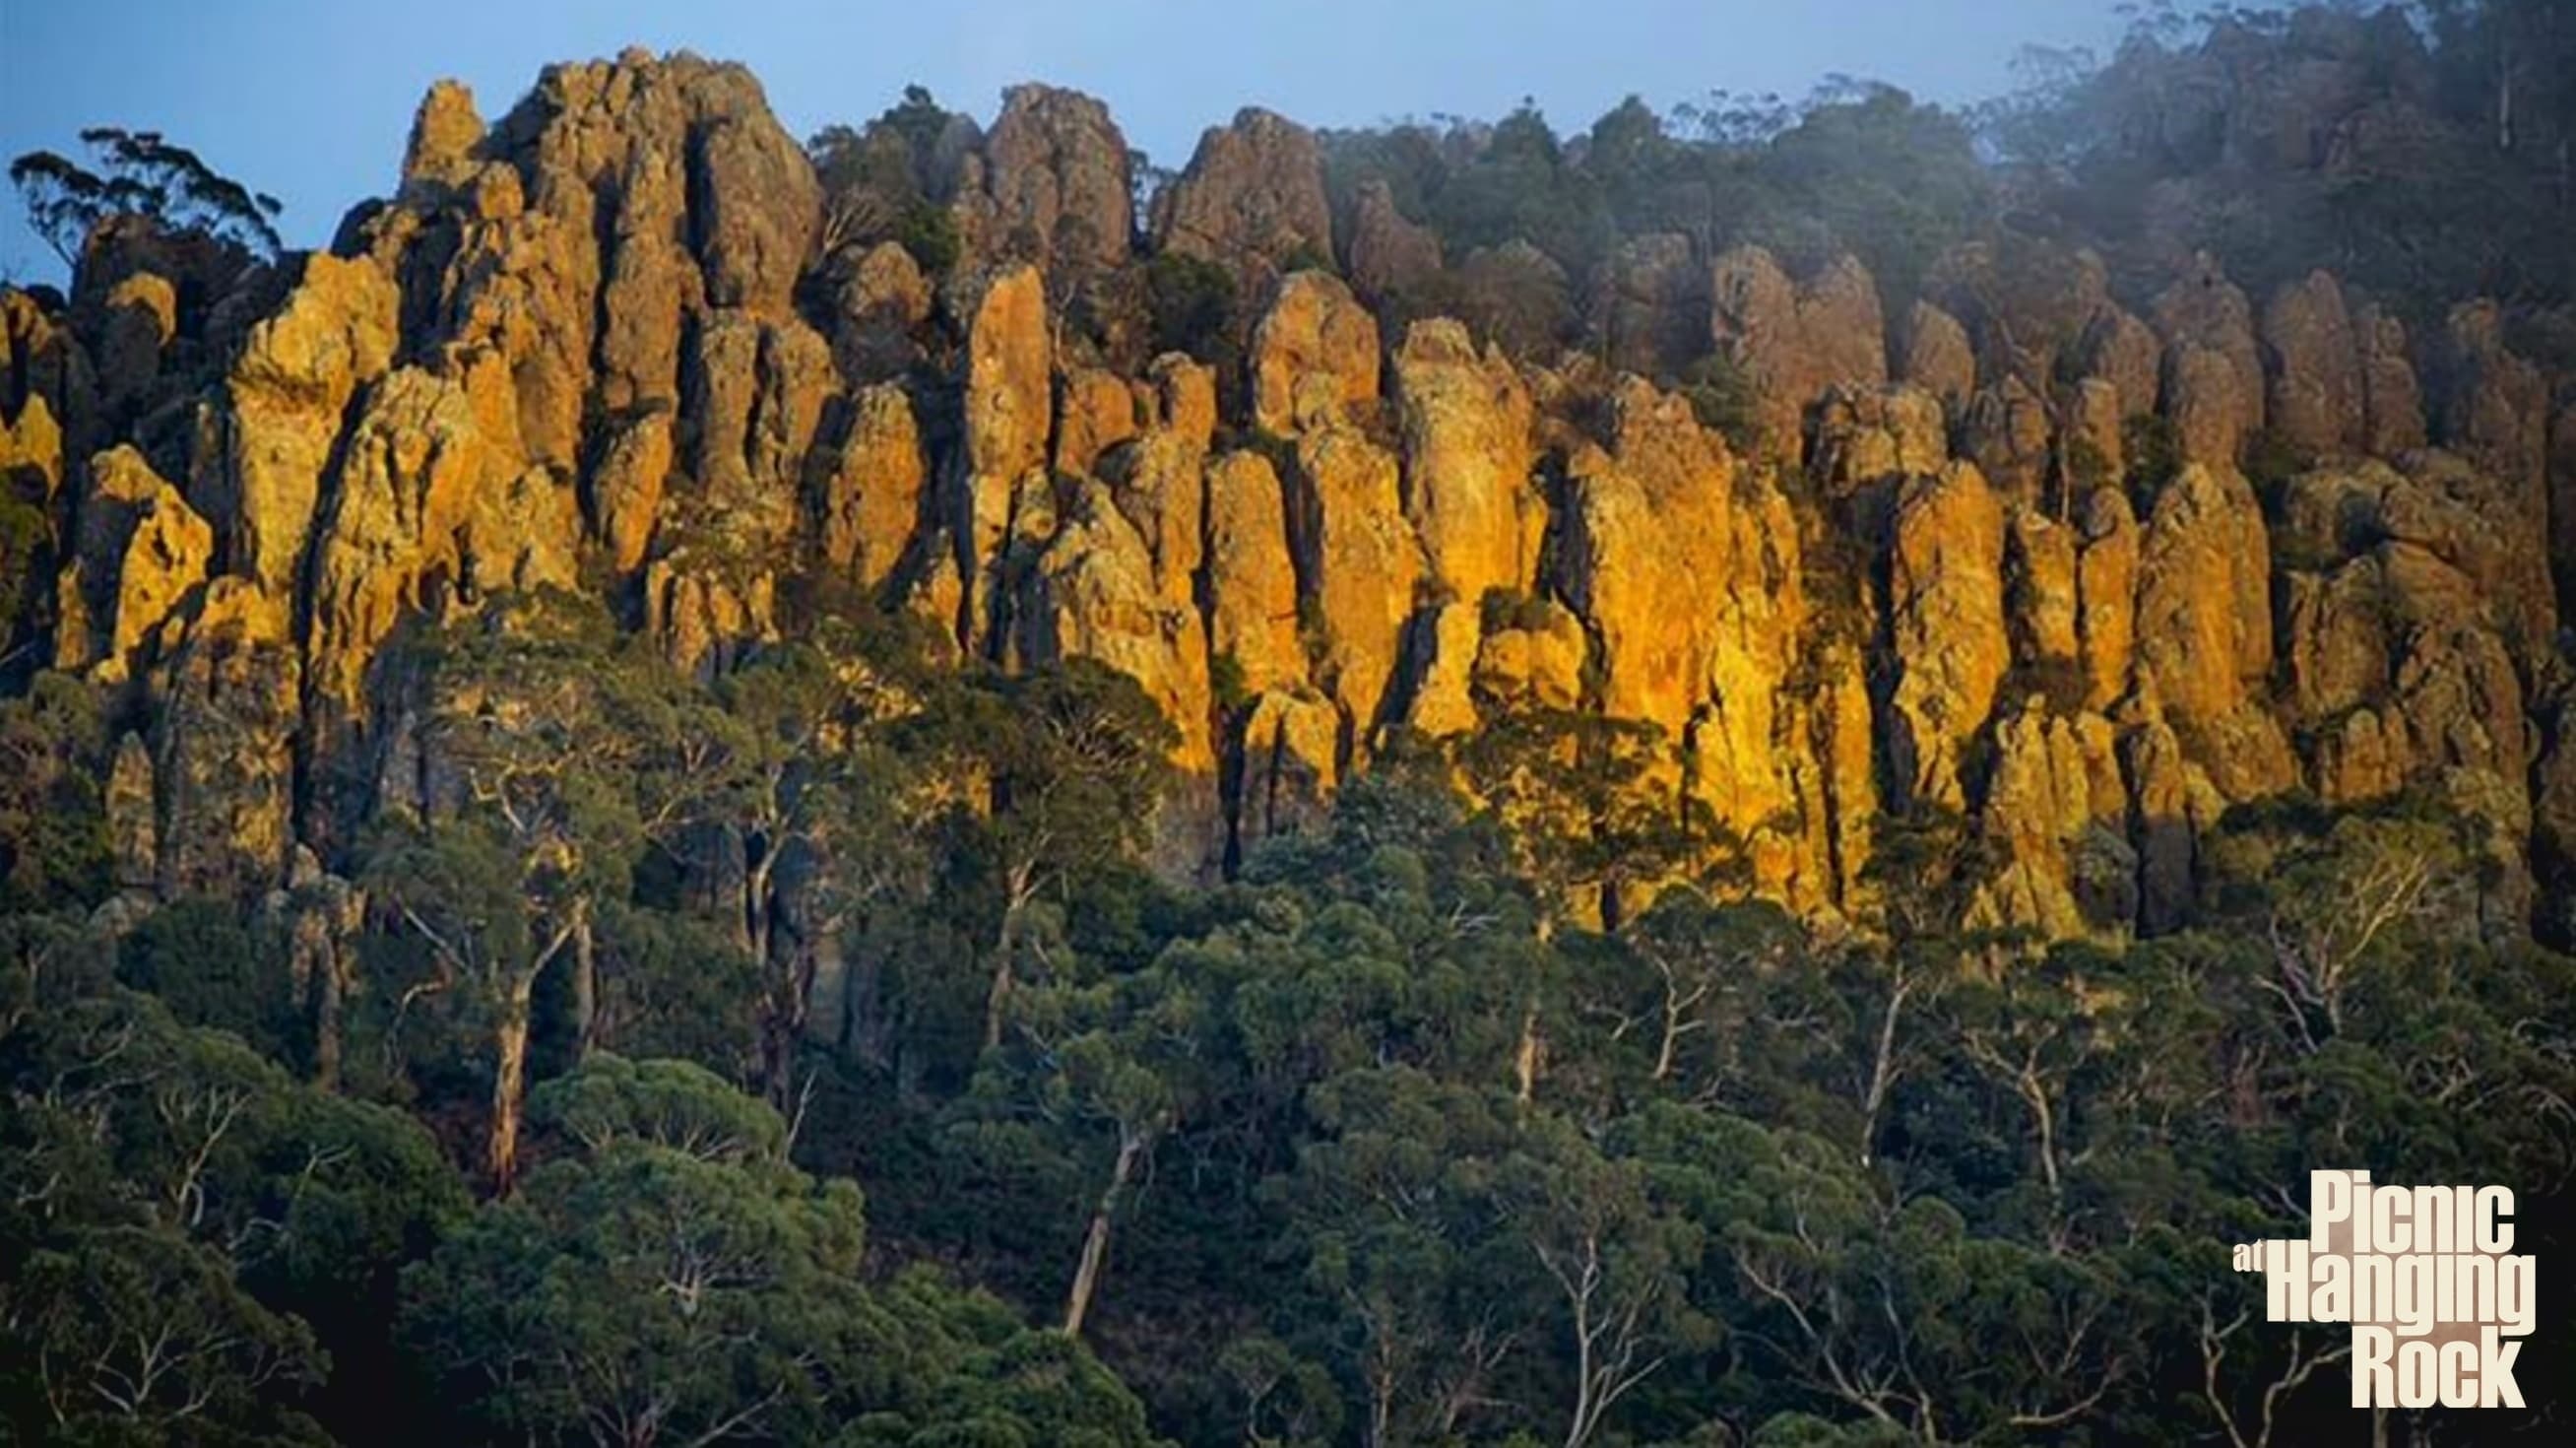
(138, 173)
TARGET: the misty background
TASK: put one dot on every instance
(311, 100)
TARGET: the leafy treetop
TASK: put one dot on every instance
(139, 173)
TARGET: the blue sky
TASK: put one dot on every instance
(311, 99)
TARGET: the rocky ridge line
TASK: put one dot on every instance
(599, 345)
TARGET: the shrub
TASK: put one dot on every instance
(1726, 398)
(1192, 302)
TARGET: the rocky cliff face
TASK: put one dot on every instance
(599, 345)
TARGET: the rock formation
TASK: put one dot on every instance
(1955, 569)
(1251, 201)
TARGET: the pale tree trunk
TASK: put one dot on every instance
(1095, 1242)
(1530, 1055)
(330, 990)
(509, 1084)
(585, 988)
(997, 1001)
(2504, 103)
(756, 905)
(1527, 1057)
(1678, 1004)
(323, 953)
(510, 1049)
(783, 1029)
(787, 970)
(1381, 1379)
(1882, 1074)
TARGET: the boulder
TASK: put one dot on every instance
(1389, 255)
(2202, 311)
(1315, 353)
(1946, 627)
(2213, 404)
(2316, 402)
(1537, 656)
(141, 555)
(2026, 302)
(2106, 591)
(225, 711)
(1646, 305)
(627, 485)
(1445, 643)
(1936, 356)
(1795, 339)
(1288, 768)
(2007, 434)
(1093, 595)
(411, 471)
(1358, 564)
(879, 302)
(270, 437)
(871, 503)
(2055, 807)
(2495, 405)
(705, 613)
(1866, 437)
(1468, 450)
(1651, 544)
(1159, 481)
(2204, 628)
(1008, 411)
(1251, 200)
(2392, 404)
(1251, 580)
(2040, 595)
(1056, 172)
(2122, 351)
(1517, 298)
(1095, 410)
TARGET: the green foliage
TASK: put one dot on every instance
(676, 1106)
(1486, 1109)
(643, 1283)
(1227, 685)
(213, 970)
(1393, 1135)
(1576, 795)
(569, 753)
(2154, 453)
(1895, 182)
(1193, 306)
(140, 173)
(673, 983)
(26, 563)
(1520, 186)
(53, 819)
(2271, 461)
(2086, 467)
(1725, 398)
(187, 1226)
(930, 233)
(670, 1269)
(2463, 196)
(878, 183)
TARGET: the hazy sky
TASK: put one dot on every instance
(312, 99)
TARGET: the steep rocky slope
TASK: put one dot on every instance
(603, 345)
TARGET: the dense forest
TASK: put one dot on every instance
(606, 1005)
